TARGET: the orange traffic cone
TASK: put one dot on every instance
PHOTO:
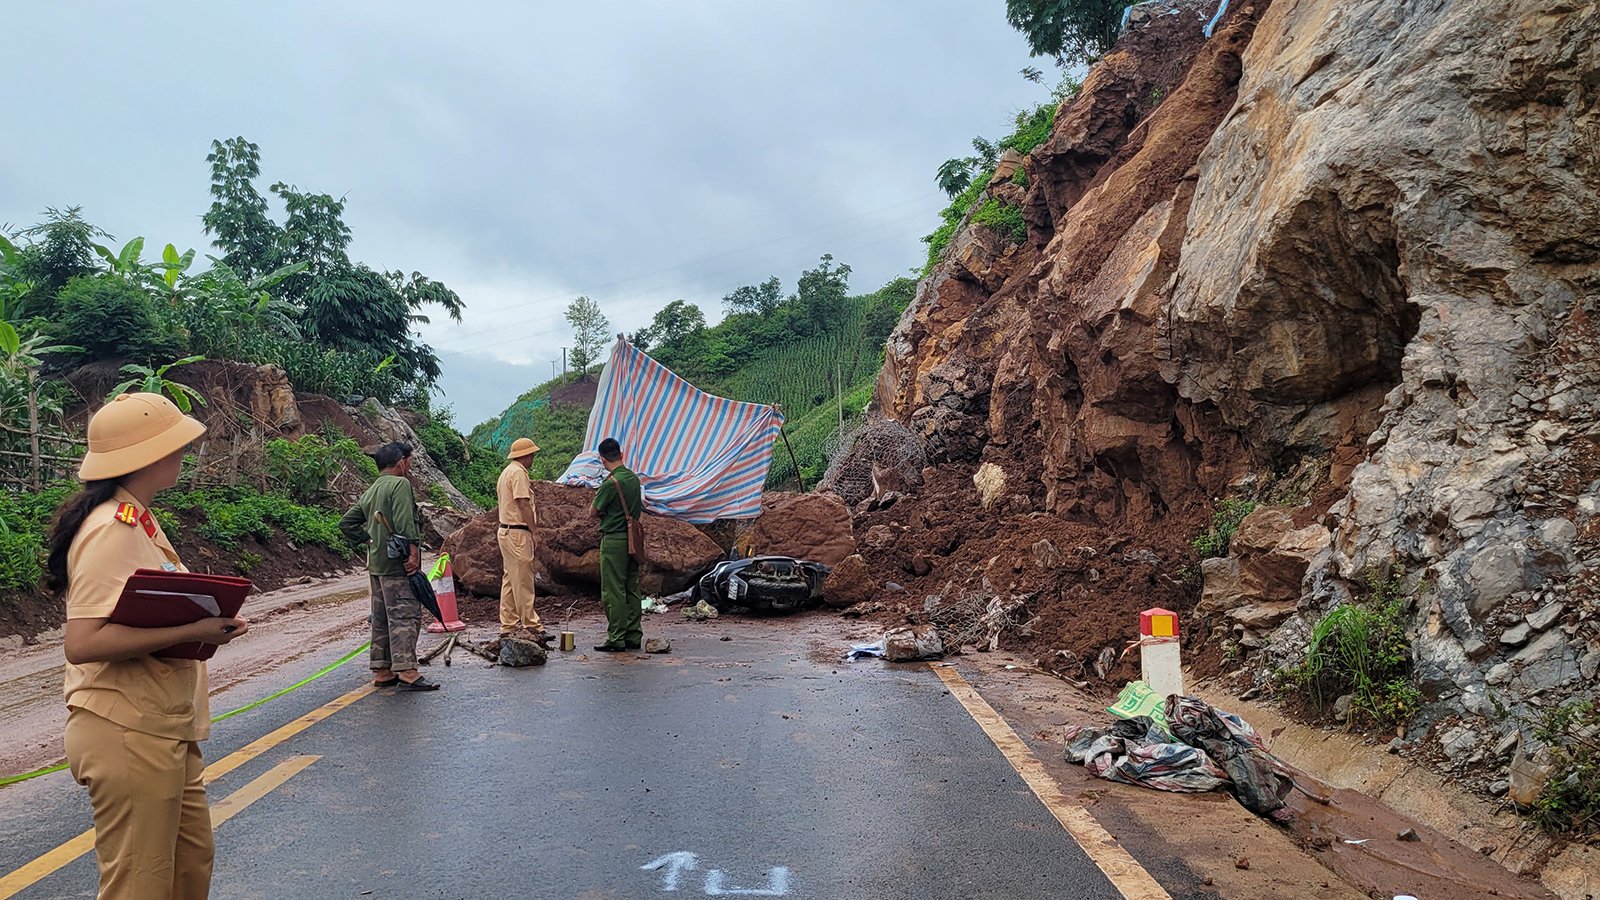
(444, 587)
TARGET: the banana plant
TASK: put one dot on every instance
(155, 381)
(126, 262)
(172, 267)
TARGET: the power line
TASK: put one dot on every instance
(528, 336)
(620, 303)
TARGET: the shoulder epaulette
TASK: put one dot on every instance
(127, 514)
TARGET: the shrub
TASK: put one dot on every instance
(228, 515)
(1004, 218)
(1361, 649)
(1224, 522)
(20, 553)
(301, 467)
(110, 317)
(1570, 802)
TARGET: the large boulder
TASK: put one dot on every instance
(849, 583)
(804, 526)
(567, 547)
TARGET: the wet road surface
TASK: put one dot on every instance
(737, 768)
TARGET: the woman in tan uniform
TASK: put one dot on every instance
(134, 721)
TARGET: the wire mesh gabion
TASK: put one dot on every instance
(873, 455)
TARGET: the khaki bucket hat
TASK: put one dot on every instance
(134, 431)
(522, 447)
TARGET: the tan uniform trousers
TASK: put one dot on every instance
(516, 585)
(152, 824)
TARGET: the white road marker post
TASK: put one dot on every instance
(1159, 657)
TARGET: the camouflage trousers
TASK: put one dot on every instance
(396, 623)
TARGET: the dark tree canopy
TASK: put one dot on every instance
(1069, 31)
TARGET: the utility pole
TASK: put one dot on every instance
(563, 364)
(552, 370)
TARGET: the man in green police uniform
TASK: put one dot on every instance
(618, 499)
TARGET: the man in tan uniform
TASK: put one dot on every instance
(516, 540)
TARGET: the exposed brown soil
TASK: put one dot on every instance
(579, 393)
(1085, 583)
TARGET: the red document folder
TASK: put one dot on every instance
(153, 598)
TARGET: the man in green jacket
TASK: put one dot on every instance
(389, 507)
(618, 500)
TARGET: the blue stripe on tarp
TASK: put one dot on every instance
(699, 457)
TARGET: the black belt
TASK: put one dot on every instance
(518, 527)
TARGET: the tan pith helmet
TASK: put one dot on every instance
(522, 447)
(134, 431)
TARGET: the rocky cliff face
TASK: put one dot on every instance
(1344, 256)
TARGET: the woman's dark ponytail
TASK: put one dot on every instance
(69, 518)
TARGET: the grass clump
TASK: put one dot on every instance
(1570, 802)
(1004, 218)
(1361, 650)
(1224, 522)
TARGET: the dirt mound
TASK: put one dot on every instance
(579, 393)
(1085, 583)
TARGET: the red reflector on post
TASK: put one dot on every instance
(1158, 623)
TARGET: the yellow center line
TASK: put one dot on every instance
(54, 860)
(1119, 866)
(262, 785)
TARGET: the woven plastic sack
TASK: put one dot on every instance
(1139, 699)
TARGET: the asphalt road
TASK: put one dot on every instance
(728, 768)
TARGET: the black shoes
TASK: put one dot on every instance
(421, 684)
(609, 648)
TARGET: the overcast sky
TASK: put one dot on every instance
(524, 153)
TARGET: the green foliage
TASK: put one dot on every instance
(760, 298)
(813, 435)
(1570, 801)
(20, 560)
(589, 331)
(1033, 127)
(113, 318)
(227, 516)
(246, 562)
(557, 430)
(674, 324)
(1069, 31)
(155, 381)
(25, 517)
(1003, 218)
(302, 468)
(473, 469)
(59, 249)
(1361, 649)
(952, 216)
(238, 215)
(1224, 522)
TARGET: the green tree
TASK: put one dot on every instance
(589, 331)
(822, 296)
(1069, 31)
(761, 298)
(672, 325)
(59, 249)
(237, 219)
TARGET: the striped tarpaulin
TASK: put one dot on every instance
(699, 457)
